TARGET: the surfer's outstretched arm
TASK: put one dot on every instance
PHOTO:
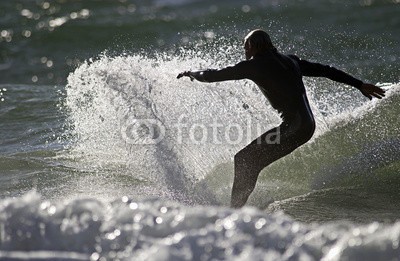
(320, 70)
(237, 72)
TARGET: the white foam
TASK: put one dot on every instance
(160, 230)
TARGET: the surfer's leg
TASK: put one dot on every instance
(251, 160)
(261, 152)
(245, 180)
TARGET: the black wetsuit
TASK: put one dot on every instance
(279, 77)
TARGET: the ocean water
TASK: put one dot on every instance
(105, 155)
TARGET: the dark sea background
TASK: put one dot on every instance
(87, 86)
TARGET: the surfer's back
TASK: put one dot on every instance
(278, 77)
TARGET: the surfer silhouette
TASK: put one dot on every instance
(279, 78)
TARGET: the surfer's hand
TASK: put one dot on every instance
(185, 73)
(370, 90)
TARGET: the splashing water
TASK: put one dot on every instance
(130, 114)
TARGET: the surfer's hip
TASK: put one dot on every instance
(298, 122)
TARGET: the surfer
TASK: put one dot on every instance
(279, 78)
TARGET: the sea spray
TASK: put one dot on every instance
(113, 100)
(129, 113)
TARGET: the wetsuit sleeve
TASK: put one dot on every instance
(237, 72)
(320, 70)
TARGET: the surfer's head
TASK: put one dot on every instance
(257, 41)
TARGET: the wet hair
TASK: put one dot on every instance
(259, 40)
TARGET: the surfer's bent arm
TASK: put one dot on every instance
(237, 72)
(320, 70)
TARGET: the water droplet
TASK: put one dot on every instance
(27, 33)
(133, 205)
(209, 34)
(94, 257)
(246, 9)
(26, 13)
(73, 15)
(159, 220)
(46, 5)
(52, 210)
(84, 13)
(260, 223)
(4, 33)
